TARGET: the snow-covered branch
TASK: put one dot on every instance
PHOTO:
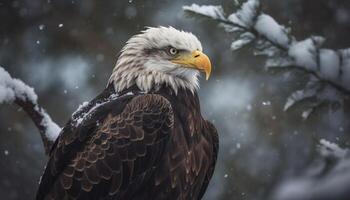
(327, 178)
(15, 91)
(328, 68)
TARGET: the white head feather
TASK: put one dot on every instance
(137, 65)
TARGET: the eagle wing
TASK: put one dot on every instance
(213, 134)
(113, 158)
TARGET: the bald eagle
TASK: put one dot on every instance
(144, 136)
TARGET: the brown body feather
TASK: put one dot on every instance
(138, 146)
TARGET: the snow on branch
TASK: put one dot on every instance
(328, 178)
(328, 68)
(214, 12)
(15, 91)
(329, 149)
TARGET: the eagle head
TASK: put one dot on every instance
(161, 55)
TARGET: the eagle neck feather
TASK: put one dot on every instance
(147, 81)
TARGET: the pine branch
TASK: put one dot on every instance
(252, 31)
(15, 91)
(250, 25)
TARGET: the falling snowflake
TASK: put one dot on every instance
(41, 27)
(266, 103)
(249, 107)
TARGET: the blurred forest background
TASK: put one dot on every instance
(66, 50)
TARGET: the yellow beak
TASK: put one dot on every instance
(197, 60)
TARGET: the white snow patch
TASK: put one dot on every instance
(80, 107)
(329, 64)
(240, 43)
(10, 88)
(303, 53)
(215, 12)
(52, 130)
(77, 121)
(246, 14)
(268, 27)
(331, 149)
(299, 95)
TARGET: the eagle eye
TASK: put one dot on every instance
(172, 51)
